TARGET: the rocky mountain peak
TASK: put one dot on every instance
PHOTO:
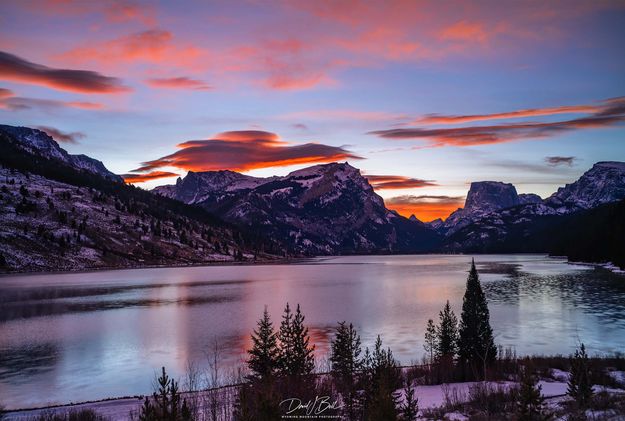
(491, 196)
(39, 142)
(603, 183)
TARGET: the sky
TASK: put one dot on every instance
(424, 97)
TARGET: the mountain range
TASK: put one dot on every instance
(63, 211)
(323, 209)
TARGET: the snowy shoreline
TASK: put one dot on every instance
(430, 397)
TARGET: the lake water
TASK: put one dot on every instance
(84, 336)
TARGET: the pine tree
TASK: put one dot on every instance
(296, 353)
(410, 407)
(530, 404)
(579, 385)
(447, 334)
(476, 346)
(165, 404)
(384, 378)
(431, 343)
(346, 351)
(346, 364)
(263, 360)
(147, 413)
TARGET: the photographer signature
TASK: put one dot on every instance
(312, 407)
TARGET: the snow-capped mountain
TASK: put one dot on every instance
(322, 209)
(40, 143)
(197, 187)
(603, 183)
(490, 205)
(515, 227)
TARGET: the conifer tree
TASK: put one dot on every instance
(296, 353)
(447, 334)
(166, 402)
(410, 407)
(384, 378)
(579, 384)
(431, 345)
(346, 349)
(346, 364)
(530, 403)
(476, 346)
(263, 360)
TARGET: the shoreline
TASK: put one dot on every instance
(284, 261)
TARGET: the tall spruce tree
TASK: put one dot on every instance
(447, 334)
(296, 353)
(382, 379)
(346, 364)
(263, 360)
(530, 402)
(580, 385)
(476, 346)
(409, 409)
(431, 343)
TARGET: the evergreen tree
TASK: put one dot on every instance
(431, 343)
(346, 364)
(410, 407)
(447, 334)
(346, 351)
(296, 353)
(166, 402)
(579, 385)
(383, 377)
(263, 360)
(530, 403)
(476, 346)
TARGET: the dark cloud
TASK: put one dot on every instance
(154, 175)
(8, 101)
(16, 69)
(300, 126)
(246, 150)
(181, 82)
(388, 182)
(560, 160)
(60, 136)
(610, 113)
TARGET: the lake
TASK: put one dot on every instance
(92, 335)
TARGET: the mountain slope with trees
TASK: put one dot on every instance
(55, 215)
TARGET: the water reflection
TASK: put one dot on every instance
(92, 335)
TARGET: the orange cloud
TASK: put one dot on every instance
(395, 182)
(60, 136)
(181, 82)
(113, 10)
(425, 208)
(16, 69)
(141, 178)
(8, 101)
(610, 113)
(245, 150)
(530, 112)
(151, 46)
(465, 31)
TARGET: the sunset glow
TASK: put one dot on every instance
(423, 97)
